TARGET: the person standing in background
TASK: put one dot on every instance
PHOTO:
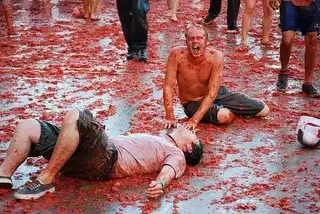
(250, 5)
(90, 9)
(6, 6)
(173, 7)
(303, 16)
(133, 18)
(232, 13)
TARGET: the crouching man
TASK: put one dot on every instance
(82, 149)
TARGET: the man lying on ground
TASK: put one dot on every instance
(198, 72)
(82, 149)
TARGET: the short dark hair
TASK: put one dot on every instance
(198, 26)
(194, 157)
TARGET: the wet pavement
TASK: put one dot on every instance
(58, 60)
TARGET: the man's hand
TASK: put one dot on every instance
(170, 123)
(274, 4)
(155, 190)
(190, 124)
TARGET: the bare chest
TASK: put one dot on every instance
(189, 73)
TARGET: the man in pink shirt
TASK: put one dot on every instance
(82, 149)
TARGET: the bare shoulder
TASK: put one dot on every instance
(178, 52)
(214, 56)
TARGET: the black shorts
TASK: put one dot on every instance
(238, 103)
(95, 155)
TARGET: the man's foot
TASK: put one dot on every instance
(95, 19)
(282, 83)
(5, 182)
(85, 17)
(242, 48)
(208, 19)
(142, 55)
(131, 54)
(33, 190)
(266, 43)
(174, 18)
(310, 90)
(169, 13)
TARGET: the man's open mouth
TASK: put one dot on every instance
(196, 49)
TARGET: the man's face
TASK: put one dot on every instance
(185, 139)
(196, 42)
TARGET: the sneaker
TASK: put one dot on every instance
(131, 54)
(5, 182)
(282, 83)
(142, 55)
(310, 90)
(208, 19)
(233, 30)
(33, 190)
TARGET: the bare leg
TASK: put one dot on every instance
(285, 48)
(267, 22)
(246, 21)
(94, 6)
(310, 56)
(86, 7)
(26, 133)
(67, 143)
(7, 6)
(169, 2)
(264, 112)
(175, 4)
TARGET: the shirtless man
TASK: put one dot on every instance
(82, 149)
(198, 73)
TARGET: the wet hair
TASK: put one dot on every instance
(193, 158)
(198, 26)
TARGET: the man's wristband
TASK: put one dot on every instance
(162, 184)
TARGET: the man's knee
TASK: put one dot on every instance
(249, 10)
(287, 40)
(225, 116)
(71, 117)
(264, 112)
(30, 128)
(311, 40)
(268, 12)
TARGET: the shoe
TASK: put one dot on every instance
(282, 83)
(5, 182)
(33, 190)
(142, 55)
(233, 30)
(310, 90)
(131, 54)
(208, 19)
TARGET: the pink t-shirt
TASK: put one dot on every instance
(145, 153)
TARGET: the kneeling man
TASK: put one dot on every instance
(198, 72)
(82, 149)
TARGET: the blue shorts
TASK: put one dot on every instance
(303, 19)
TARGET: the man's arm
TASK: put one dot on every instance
(156, 188)
(213, 85)
(170, 80)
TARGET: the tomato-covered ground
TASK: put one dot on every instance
(58, 60)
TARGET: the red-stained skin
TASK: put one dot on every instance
(68, 76)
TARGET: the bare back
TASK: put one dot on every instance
(194, 79)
